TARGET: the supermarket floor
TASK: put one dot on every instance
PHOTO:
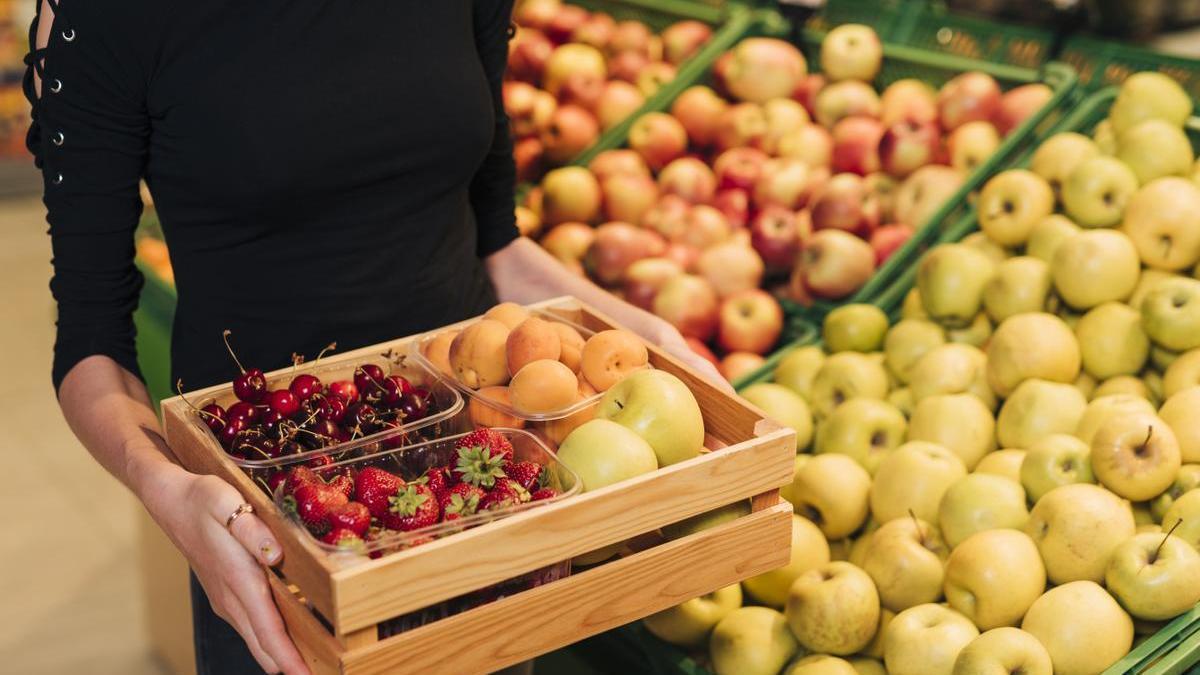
(69, 574)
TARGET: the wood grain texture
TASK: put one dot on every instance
(319, 649)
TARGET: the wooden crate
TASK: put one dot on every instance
(751, 458)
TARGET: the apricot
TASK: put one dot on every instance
(437, 350)
(484, 415)
(508, 313)
(571, 343)
(556, 430)
(610, 355)
(530, 341)
(543, 386)
(477, 355)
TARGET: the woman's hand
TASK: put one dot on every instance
(192, 509)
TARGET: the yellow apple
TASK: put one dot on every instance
(856, 327)
(1054, 461)
(864, 429)
(1180, 413)
(1076, 527)
(1171, 314)
(866, 666)
(1105, 137)
(1005, 463)
(809, 551)
(913, 478)
(1020, 284)
(1149, 95)
(1160, 219)
(1036, 409)
(1102, 408)
(1186, 509)
(875, 649)
(1082, 627)
(1048, 235)
(660, 408)
(1183, 373)
(959, 422)
(906, 342)
(975, 333)
(751, 641)
(1154, 576)
(844, 376)
(952, 369)
(785, 407)
(1127, 385)
(950, 279)
(797, 369)
(1095, 267)
(1002, 651)
(905, 560)
(832, 491)
(690, 623)
(1031, 345)
(1058, 155)
(820, 664)
(833, 609)
(989, 247)
(1135, 455)
(1011, 203)
(1186, 480)
(1112, 341)
(913, 307)
(706, 520)
(1155, 148)
(1097, 190)
(994, 576)
(979, 502)
(902, 398)
(1150, 279)
(925, 640)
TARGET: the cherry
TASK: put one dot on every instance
(251, 385)
(304, 386)
(283, 402)
(368, 378)
(275, 479)
(245, 410)
(290, 447)
(413, 407)
(325, 407)
(345, 389)
(230, 431)
(363, 417)
(214, 416)
(320, 461)
(394, 387)
(322, 433)
(269, 423)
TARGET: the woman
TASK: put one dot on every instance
(323, 170)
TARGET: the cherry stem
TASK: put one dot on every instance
(328, 348)
(1154, 556)
(372, 379)
(917, 524)
(263, 483)
(198, 411)
(225, 336)
(297, 359)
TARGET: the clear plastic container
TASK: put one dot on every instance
(443, 417)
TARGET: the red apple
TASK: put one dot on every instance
(887, 239)
(908, 99)
(644, 277)
(848, 98)
(703, 227)
(544, 107)
(570, 193)
(582, 89)
(626, 66)
(569, 59)
(806, 92)
(1019, 104)
(920, 195)
(528, 222)
(702, 349)
(596, 31)
(764, 68)
(784, 116)
(682, 254)
(843, 205)
(683, 39)
(668, 217)
(907, 146)
(749, 321)
(741, 125)
(618, 100)
(810, 143)
(698, 108)
(537, 13)
(519, 99)
(775, 234)
(730, 267)
(527, 55)
(613, 162)
(856, 145)
(653, 76)
(739, 168)
(969, 97)
(881, 189)
(720, 74)
(783, 182)
(739, 364)
(569, 241)
(689, 178)
(527, 155)
(630, 36)
(689, 303)
(735, 204)
(628, 196)
(835, 264)
(617, 246)
(566, 21)
(658, 138)
(572, 130)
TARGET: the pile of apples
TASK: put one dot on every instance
(1005, 479)
(772, 178)
(573, 74)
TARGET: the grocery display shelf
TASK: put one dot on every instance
(934, 27)
(1102, 63)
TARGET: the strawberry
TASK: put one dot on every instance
(462, 500)
(345, 540)
(343, 484)
(297, 477)
(312, 503)
(438, 479)
(487, 438)
(374, 487)
(528, 475)
(544, 493)
(351, 516)
(504, 494)
(479, 466)
(412, 507)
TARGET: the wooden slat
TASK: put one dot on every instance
(319, 649)
(398, 583)
(534, 622)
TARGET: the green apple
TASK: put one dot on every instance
(1179, 412)
(820, 664)
(864, 429)
(1135, 455)
(690, 623)
(661, 409)
(1001, 651)
(1033, 345)
(958, 422)
(797, 369)
(1036, 409)
(1054, 461)
(1048, 234)
(1183, 373)
(1097, 190)
(905, 559)
(845, 376)
(952, 369)
(1186, 480)
(913, 307)
(832, 491)
(1005, 463)
(1094, 267)
(1076, 527)
(975, 333)
(1149, 95)
(1102, 408)
(751, 641)
(907, 342)
(1154, 577)
(785, 407)
(925, 640)
(1011, 203)
(988, 247)
(1155, 148)
(1160, 219)
(993, 577)
(1082, 628)
(833, 609)
(1058, 156)
(1171, 314)
(1112, 341)
(856, 327)
(912, 479)
(1021, 284)
(706, 520)
(1186, 509)
(602, 452)
(978, 502)
(809, 551)
(951, 279)
(1127, 385)
(1149, 280)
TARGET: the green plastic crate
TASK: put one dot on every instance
(885, 16)
(1102, 63)
(936, 28)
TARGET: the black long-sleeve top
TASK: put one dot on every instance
(323, 170)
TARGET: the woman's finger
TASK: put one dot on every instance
(257, 539)
(240, 620)
(255, 595)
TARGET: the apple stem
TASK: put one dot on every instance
(1149, 433)
(225, 336)
(917, 524)
(1154, 556)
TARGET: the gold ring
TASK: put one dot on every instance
(241, 510)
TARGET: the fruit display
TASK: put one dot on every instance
(771, 182)
(574, 74)
(1001, 480)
